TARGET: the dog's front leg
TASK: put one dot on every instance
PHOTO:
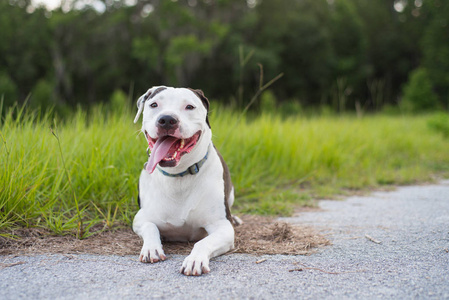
(220, 239)
(152, 248)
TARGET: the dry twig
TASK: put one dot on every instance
(318, 269)
(372, 239)
(3, 265)
(321, 270)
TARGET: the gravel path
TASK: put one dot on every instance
(411, 260)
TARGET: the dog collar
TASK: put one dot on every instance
(192, 170)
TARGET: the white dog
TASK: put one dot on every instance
(185, 190)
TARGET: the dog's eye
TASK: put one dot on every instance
(153, 105)
(190, 107)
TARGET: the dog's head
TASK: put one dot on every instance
(175, 124)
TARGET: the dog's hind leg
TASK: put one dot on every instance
(236, 221)
(152, 248)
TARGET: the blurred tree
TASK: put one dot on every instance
(42, 94)
(118, 101)
(435, 47)
(221, 73)
(8, 90)
(24, 46)
(294, 36)
(176, 39)
(331, 51)
(90, 53)
(349, 49)
(418, 93)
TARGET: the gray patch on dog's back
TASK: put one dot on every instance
(227, 186)
(138, 194)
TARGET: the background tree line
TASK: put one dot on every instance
(344, 54)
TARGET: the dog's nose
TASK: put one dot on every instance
(167, 122)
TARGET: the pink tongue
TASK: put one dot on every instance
(159, 151)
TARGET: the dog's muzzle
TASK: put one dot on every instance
(167, 150)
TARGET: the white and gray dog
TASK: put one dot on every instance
(185, 189)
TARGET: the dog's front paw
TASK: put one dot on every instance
(152, 254)
(195, 265)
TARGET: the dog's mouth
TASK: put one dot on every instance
(168, 150)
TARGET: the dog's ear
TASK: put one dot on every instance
(205, 101)
(148, 95)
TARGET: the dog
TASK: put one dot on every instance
(185, 189)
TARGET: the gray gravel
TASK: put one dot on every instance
(411, 261)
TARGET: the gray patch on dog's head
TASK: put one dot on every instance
(205, 101)
(148, 95)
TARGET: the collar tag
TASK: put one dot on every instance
(194, 169)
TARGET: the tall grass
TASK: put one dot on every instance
(272, 157)
(276, 163)
(101, 162)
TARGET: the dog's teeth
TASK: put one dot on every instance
(182, 144)
(176, 154)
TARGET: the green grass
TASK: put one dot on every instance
(326, 156)
(276, 163)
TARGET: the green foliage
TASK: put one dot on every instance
(119, 102)
(42, 94)
(25, 41)
(146, 50)
(183, 51)
(349, 47)
(8, 90)
(418, 93)
(343, 54)
(291, 108)
(435, 48)
(440, 123)
(391, 49)
(307, 77)
(268, 102)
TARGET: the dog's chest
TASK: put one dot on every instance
(178, 210)
(181, 223)
(181, 231)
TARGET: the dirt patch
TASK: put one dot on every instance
(261, 235)
(257, 235)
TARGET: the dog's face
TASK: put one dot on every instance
(175, 122)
